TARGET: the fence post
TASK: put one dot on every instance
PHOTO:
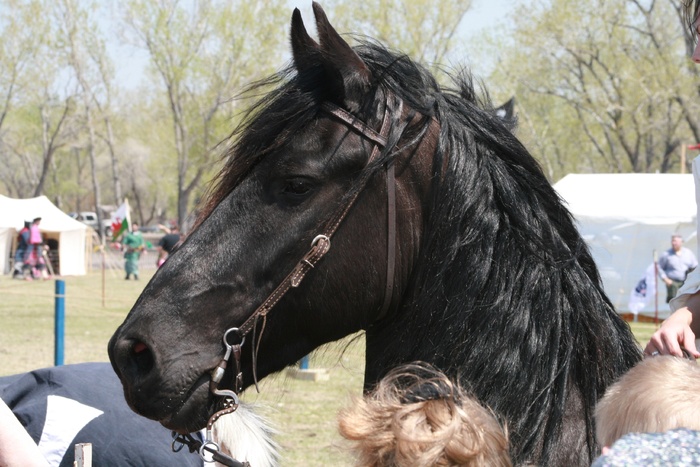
(59, 321)
(83, 455)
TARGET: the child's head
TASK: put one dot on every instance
(658, 394)
(417, 417)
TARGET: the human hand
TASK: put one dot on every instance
(674, 333)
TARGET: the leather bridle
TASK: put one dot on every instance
(322, 242)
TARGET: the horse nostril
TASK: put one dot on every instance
(139, 347)
(142, 357)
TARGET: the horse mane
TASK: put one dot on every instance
(507, 285)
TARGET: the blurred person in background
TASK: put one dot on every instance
(133, 245)
(167, 243)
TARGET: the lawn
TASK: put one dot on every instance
(303, 411)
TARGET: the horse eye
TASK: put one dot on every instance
(297, 187)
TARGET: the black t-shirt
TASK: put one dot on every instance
(169, 241)
(84, 403)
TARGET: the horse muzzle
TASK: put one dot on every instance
(180, 400)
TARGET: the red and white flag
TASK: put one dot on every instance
(121, 221)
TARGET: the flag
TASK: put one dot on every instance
(644, 291)
(121, 221)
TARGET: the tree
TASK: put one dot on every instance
(202, 52)
(81, 44)
(425, 30)
(598, 84)
(27, 98)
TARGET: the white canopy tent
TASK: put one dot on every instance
(625, 218)
(55, 224)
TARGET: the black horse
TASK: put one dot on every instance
(449, 246)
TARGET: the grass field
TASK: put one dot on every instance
(303, 411)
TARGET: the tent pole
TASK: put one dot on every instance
(683, 158)
(656, 291)
(102, 249)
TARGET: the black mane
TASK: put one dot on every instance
(507, 286)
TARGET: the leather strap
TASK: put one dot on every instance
(390, 240)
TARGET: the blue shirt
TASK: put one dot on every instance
(676, 264)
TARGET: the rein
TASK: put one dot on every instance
(320, 245)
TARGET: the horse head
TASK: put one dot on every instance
(298, 170)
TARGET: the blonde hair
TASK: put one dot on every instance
(658, 394)
(417, 417)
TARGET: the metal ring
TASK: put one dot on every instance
(233, 330)
(319, 237)
(201, 451)
(177, 441)
(655, 353)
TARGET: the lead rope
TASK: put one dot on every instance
(256, 342)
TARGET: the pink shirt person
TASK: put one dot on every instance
(34, 234)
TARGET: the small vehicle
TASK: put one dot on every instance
(90, 218)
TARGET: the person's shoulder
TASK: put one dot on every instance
(680, 446)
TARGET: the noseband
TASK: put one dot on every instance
(319, 247)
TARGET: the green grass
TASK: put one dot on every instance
(304, 412)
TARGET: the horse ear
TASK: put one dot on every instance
(348, 76)
(305, 50)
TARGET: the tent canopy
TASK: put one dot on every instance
(70, 234)
(642, 198)
(628, 218)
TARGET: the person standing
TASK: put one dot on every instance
(21, 266)
(133, 245)
(33, 255)
(167, 243)
(35, 239)
(674, 266)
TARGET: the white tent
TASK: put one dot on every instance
(55, 224)
(625, 218)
